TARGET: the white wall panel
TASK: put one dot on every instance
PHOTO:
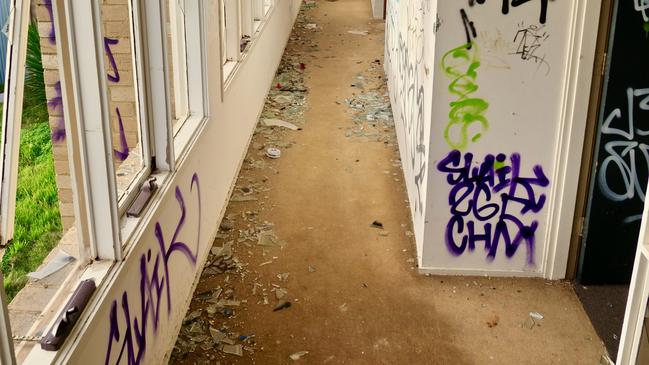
(482, 147)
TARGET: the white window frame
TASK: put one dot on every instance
(638, 295)
(246, 19)
(232, 31)
(196, 78)
(239, 18)
(131, 191)
(12, 116)
(97, 190)
(258, 11)
(87, 118)
(177, 16)
(11, 123)
(155, 82)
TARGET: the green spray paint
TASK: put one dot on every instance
(461, 66)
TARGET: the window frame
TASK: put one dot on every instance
(11, 123)
(178, 35)
(195, 72)
(231, 36)
(249, 16)
(103, 234)
(12, 118)
(89, 100)
(131, 191)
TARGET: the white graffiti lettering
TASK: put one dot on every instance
(628, 158)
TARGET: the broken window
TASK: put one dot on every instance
(241, 22)
(131, 158)
(177, 61)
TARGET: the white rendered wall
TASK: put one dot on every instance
(167, 272)
(485, 163)
(409, 52)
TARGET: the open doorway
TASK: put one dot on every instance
(615, 169)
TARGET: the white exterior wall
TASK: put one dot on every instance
(409, 54)
(160, 271)
(516, 97)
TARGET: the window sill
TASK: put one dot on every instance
(187, 135)
(228, 71)
(35, 308)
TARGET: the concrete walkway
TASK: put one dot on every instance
(356, 297)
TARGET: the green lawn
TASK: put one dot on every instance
(38, 223)
(37, 227)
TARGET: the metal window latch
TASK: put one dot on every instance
(69, 316)
(146, 192)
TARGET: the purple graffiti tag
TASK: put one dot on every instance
(52, 35)
(56, 103)
(155, 284)
(123, 152)
(111, 59)
(479, 195)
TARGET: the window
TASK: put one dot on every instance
(125, 91)
(176, 53)
(130, 99)
(241, 22)
(230, 36)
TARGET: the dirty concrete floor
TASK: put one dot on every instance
(356, 297)
(605, 305)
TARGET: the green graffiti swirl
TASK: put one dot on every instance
(461, 66)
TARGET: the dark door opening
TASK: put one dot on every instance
(617, 173)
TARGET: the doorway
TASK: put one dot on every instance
(615, 169)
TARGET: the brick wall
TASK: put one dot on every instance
(121, 91)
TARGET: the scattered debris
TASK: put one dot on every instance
(280, 293)
(233, 349)
(245, 41)
(217, 335)
(536, 316)
(493, 322)
(241, 198)
(273, 152)
(358, 32)
(370, 109)
(279, 123)
(282, 305)
(269, 239)
(58, 262)
(532, 320)
(213, 331)
(226, 225)
(298, 355)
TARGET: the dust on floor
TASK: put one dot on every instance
(315, 259)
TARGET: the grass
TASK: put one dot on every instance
(37, 227)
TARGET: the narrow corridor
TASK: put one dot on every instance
(326, 227)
